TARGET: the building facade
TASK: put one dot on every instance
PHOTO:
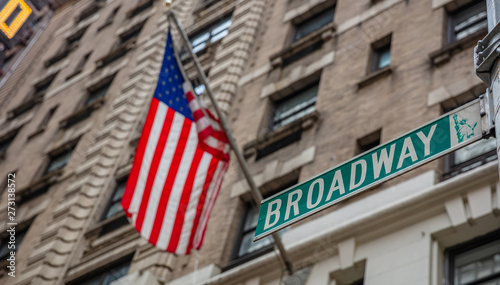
(306, 85)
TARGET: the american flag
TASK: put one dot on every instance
(180, 161)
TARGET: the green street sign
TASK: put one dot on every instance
(433, 140)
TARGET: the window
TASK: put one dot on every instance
(198, 86)
(47, 117)
(106, 276)
(98, 93)
(312, 24)
(114, 206)
(368, 142)
(80, 66)
(476, 262)
(381, 57)
(467, 21)
(250, 224)
(285, 141)
(110, 18)
(142, 6)
(211, 34)
(5, 143)
(58, 161)
(89, 10)
(42, 87)
(294, 107)
(125, 43)
(4, 246)
(245, 249)
(469, 157)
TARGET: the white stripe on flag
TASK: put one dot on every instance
(154, 135)
(201, 176)
(175, 195)
(161, 173)
(210, 196)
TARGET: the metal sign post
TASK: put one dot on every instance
(452, 131)
(487, 65)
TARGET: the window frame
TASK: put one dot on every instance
(235, 258)
(468, 246)
(7, 140)
(273, 125)
(450, 167)
(111, 201)
(125, 261)
(68, 152)
(323, 15)
(20, 230)
(452, 21)
(209, 28)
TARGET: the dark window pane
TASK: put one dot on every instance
(114, 207)
(4, 145)
(474, 150)
(97, 94)
(314, 23)
(480, 263)
(210, 34)
(382, 57)
(295, 107)
(58, 161)
(468, 20)
(248, 246)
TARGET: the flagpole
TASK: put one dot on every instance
(255, 193)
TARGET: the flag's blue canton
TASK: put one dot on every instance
(169, 88)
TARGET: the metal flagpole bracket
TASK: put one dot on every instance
(486, 53)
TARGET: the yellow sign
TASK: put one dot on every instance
(11, 30)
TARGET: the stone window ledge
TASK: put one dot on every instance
(36, 133)
(250, 149)
(321, 35)
(211, 6)
(142, 6)
(42, 182)
(374, 76)
(98, 229)
(25, 106)
(444, 54)
(115, 53)
(274, 171)
(75, 117)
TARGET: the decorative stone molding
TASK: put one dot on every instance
(274, 170)
(455, 89)
(299, 74)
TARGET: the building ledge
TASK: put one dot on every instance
(25, 106)
(116, 53)
(374, 76)
(304, 123)
(81, 114)
(444, 54)
(320, 36)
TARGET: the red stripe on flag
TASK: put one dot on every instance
(211, 204)
(169, 182)
(160, 147)
(184, 201)
(201, 202)
(139, 155)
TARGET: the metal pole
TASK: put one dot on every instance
(255, 193)
(487, 66)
